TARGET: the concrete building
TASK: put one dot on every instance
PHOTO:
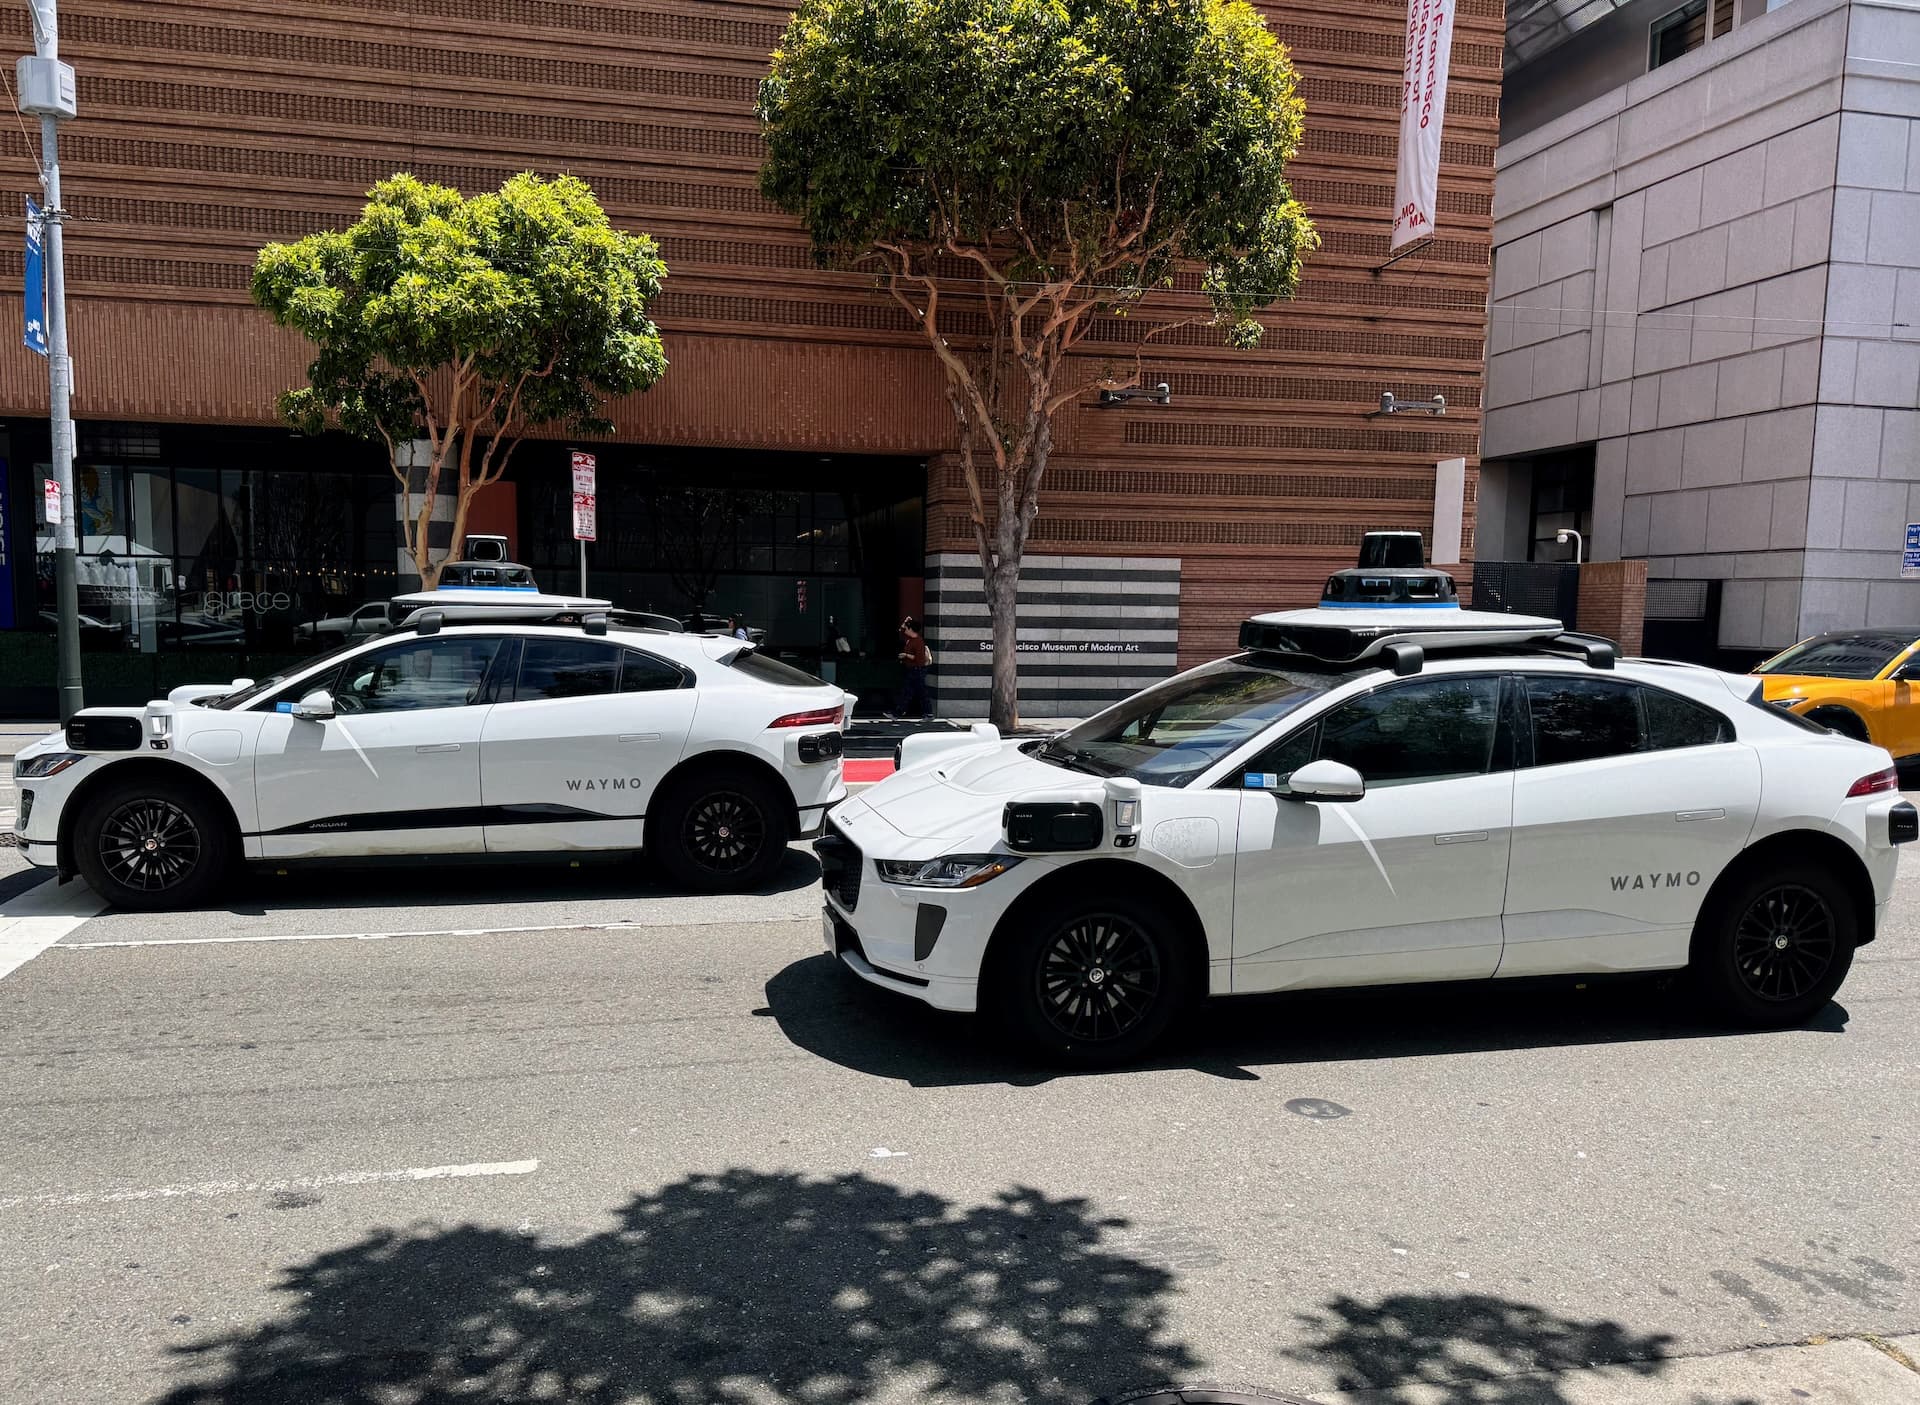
(1705, 334)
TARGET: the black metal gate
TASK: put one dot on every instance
(1549, 588)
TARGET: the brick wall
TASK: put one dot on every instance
(1613, 601)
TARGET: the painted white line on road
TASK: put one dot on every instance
(208, 1189)
(626, 925)
(40, 917)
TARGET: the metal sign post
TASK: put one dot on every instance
(46, 88)
(583, 508)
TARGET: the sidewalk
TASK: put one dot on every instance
(1821, 1372)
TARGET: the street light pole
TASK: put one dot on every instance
(46, 87)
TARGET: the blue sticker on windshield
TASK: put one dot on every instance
(1262, 780)
(283, 707)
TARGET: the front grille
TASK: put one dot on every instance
(839, 866)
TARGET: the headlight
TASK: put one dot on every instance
(48, 763)
(954, 871)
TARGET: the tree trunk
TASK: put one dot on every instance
(1003, 599)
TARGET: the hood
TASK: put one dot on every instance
(962, 795)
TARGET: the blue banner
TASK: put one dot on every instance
(36, 334)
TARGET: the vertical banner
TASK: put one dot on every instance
(36, 330)
(1423, 108)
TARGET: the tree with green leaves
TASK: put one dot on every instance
(1016, 171)
(467, 323)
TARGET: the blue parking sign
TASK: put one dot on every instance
(1910, 558)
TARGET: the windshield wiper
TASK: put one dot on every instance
(1073, 760)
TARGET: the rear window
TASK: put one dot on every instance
(755, 664)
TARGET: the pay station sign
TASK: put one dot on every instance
(584, 501)
(1910, 558)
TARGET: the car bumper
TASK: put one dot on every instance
(845, 944)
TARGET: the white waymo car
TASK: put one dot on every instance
(1368, 797)
(543, 725)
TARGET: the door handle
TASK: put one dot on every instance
(1687, 816)
(437, 746)
(1473, 836)
(639, 736)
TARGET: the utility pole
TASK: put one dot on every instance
(45, 87)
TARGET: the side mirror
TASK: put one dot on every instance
(1909, 672)
(316, 706)
(1327, 781)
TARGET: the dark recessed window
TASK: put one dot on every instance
(1679, 32)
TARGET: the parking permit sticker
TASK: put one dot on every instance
(1262, 780)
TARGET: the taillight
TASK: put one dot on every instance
(819, 717)
(1878, 783)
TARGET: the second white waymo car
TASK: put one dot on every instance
(1363, 797)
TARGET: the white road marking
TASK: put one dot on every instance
(40, 917)
(208, 1189)
(624, 925)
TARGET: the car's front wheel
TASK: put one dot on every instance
(1093, 981)
(152, 845)
(724, 830)
(1772, 950)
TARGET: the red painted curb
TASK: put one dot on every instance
(862, 772)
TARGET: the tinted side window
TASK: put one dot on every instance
(1674, 721)
(567, 668)
(643, 673)
(442, 672)
(1283, 758)
(1583, 719)
(1437, 729)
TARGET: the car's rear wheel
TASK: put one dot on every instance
(152, 845)
(1775, 946)
(723, 830)
(1092, 982)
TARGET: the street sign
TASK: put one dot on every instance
(1910, 558)
(36, 304)
(53, 502)
(800, 595)
(584, 504)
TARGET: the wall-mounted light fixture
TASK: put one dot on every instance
(1392, 405)
(1126, 395)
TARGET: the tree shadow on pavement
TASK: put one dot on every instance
(737, 1287)
(1469, 1349)
(827, 1011)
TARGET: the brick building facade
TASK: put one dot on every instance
(208, 128)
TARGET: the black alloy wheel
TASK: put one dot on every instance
(150, 845)
(725, 832)
(1098, 978)
(1785, 942)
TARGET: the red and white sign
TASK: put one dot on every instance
(584, 504)
(1423, 108)
(800, 595)
(53, 502)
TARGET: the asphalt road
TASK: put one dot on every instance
(577, 1139)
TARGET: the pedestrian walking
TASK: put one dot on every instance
(917, 658)
(740, 628)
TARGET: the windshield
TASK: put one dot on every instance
(1839, 656)
(230, 701)
(1174, 730)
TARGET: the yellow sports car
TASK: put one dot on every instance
(1862, 683)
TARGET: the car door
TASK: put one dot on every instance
(1404, 884)
(572, 755)
(395, 770)
(1628, 803)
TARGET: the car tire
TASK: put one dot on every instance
(1774, 946)
(153, 845)
(723, 830)
(1091, 982)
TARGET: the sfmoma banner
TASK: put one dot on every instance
(1423, 106)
